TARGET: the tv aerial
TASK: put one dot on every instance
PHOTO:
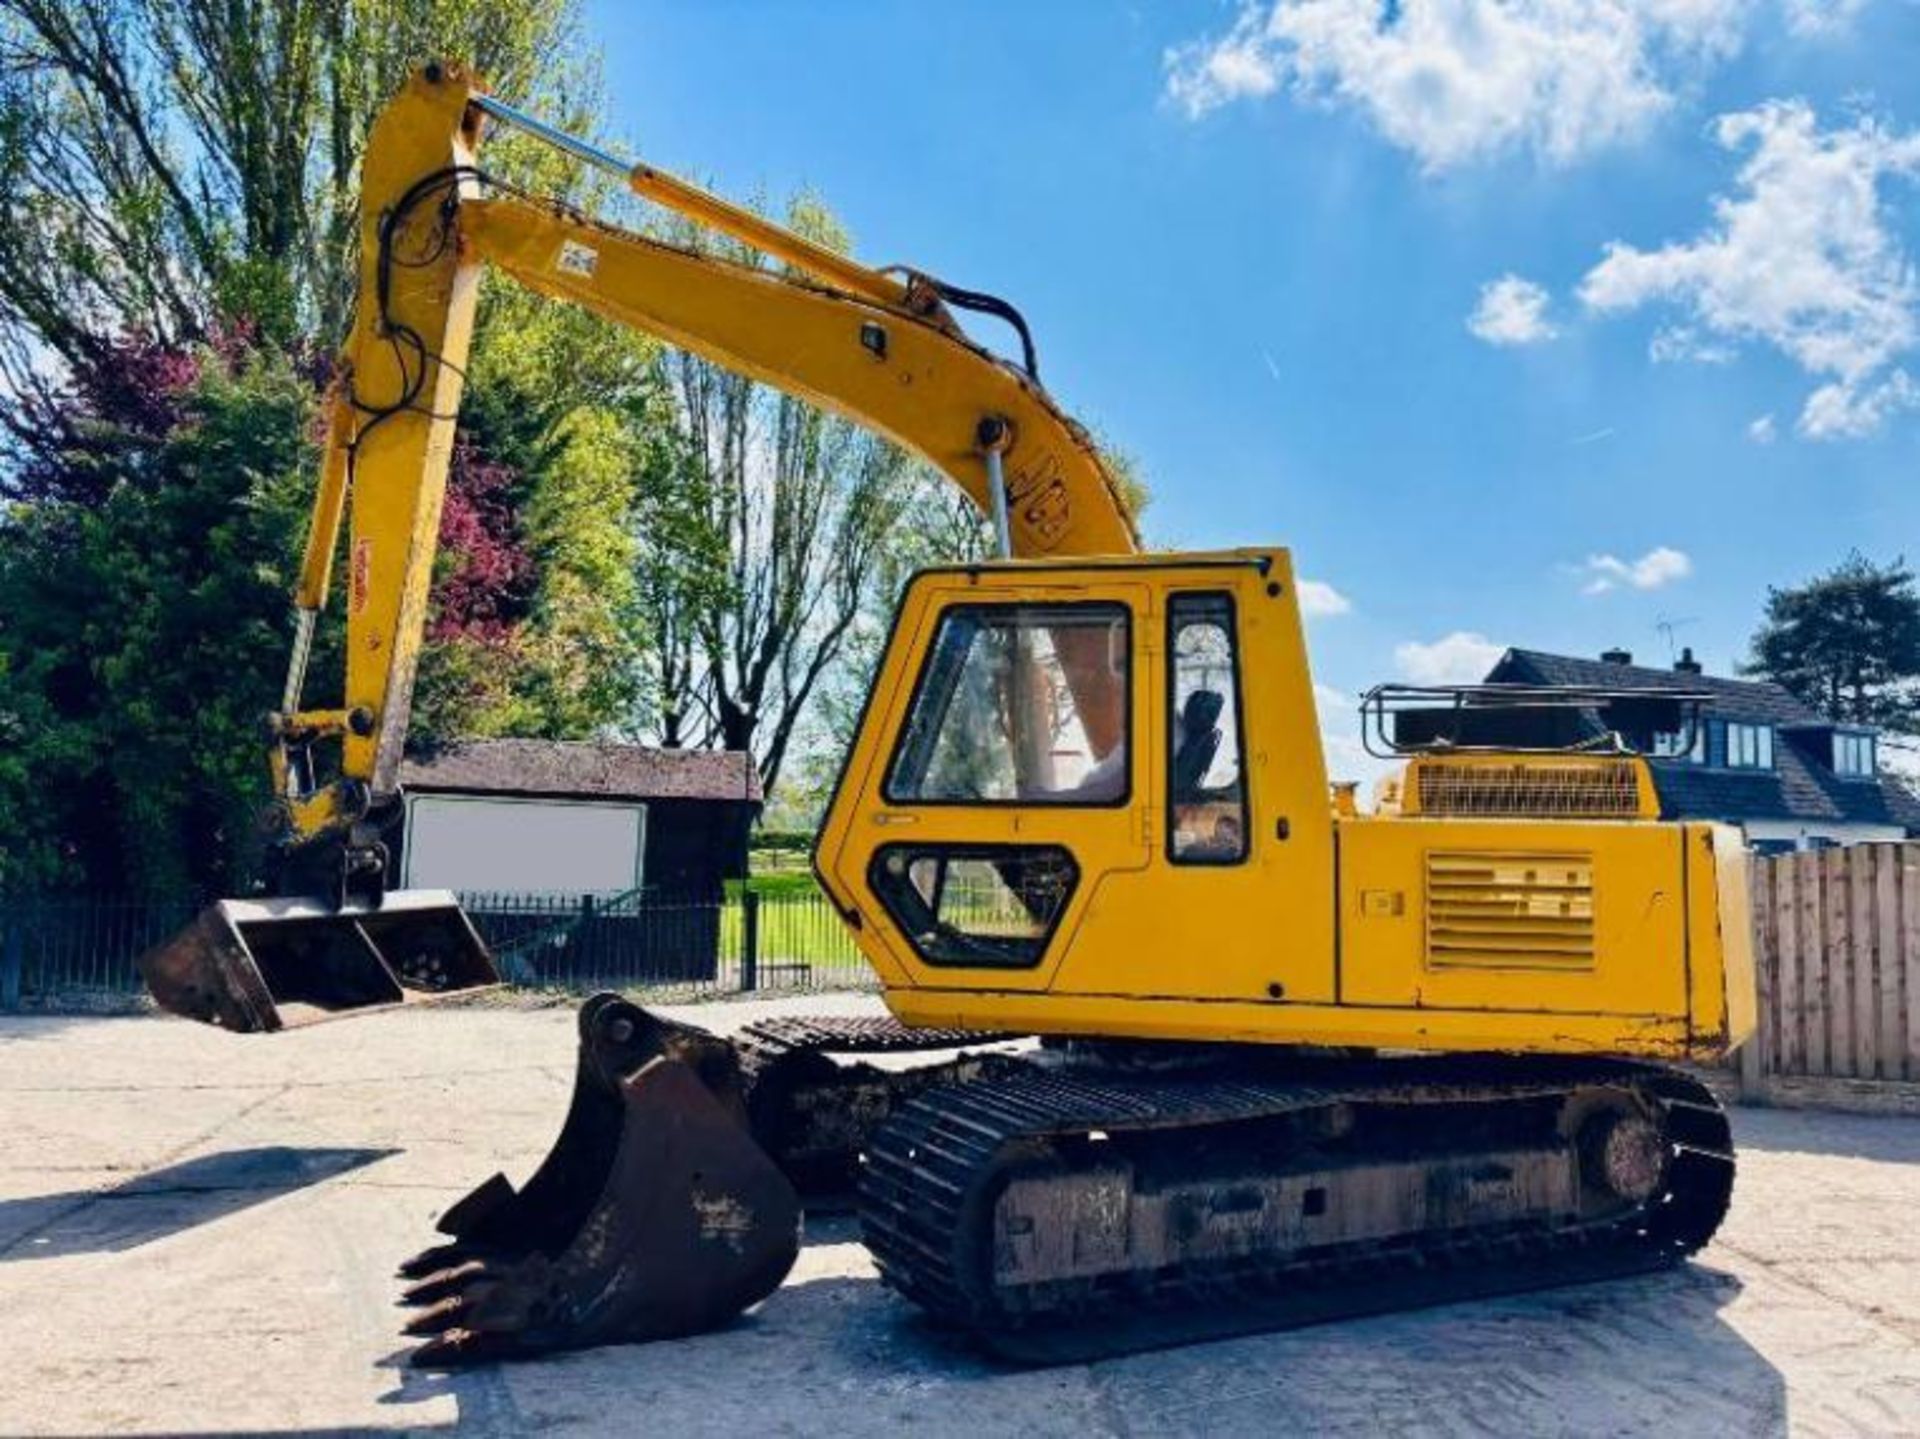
(1669, 625)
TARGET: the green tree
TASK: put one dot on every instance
(570, 404)
(1848, 643)
(181, 169)
(142, 635)
(167, 165)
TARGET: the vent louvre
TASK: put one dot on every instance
(1502, 910)
(1538, 789)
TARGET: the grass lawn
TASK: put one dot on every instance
(797, 923)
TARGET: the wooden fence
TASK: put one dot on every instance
(1837, 951)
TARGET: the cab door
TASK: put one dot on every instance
(1236, 902)
(995, 787)
(1100, 780)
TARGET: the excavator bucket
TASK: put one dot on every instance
(656, 1215)
(257, 965)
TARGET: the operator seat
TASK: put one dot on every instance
(1199, 742)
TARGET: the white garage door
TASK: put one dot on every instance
(518, 846)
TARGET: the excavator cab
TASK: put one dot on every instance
(1070, 770)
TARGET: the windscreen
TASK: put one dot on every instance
(1019, 704)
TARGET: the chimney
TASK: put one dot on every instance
(1687, 664)
(1616, 657)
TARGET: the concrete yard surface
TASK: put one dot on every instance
(198, 1233)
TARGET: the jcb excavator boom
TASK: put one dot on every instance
(879, 347)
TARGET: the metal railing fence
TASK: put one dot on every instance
(73, 951)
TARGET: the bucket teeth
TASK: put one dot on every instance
(435, 1260)
(656, 1214)
(460, 1347)
(437, 1319)
(441, 1283)
(451, 1351)
(479, 1209)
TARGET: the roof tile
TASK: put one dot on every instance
(1795, 788)
(582, 770)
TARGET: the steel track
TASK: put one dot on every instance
(933, 1170)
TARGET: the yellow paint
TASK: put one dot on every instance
(916, 381)
(1133, 1016)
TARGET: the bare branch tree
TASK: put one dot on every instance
(768, 563)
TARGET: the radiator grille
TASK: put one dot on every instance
(1540, 789)
(1509, 911)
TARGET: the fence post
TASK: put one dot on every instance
(1753, 1056)
(749, 941)
(13, 955)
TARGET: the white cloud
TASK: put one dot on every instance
(1801, 258)
(1318, 599)
(1674, 344)
(1331, 701)
(1238, 66)
(1658, 566)
(1843, 411)
(1512, 311)
(1462, 657)
(1346, 754)
(1348, 760)
(1762, 431)
(1822, 19)
(1458, 80)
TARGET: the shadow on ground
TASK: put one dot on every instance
(40, 1018)
(845, 1356)
(166, 1201)
(1653, 1354)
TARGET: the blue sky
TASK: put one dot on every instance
(1527, 323)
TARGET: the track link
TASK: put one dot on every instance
(854, 1034)
(935, 1169)
(813, 1114)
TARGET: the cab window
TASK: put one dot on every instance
(975, 906)
(1019, 705)
(1206, 779)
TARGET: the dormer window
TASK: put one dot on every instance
(1689, 744)
(1853, 754)
(1749, 746)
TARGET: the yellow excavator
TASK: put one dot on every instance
(1279, 1060)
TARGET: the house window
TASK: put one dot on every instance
(1689, 744)
(1749, 746)
(1853, 754)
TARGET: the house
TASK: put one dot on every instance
(547, 817)
(1759, 758)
